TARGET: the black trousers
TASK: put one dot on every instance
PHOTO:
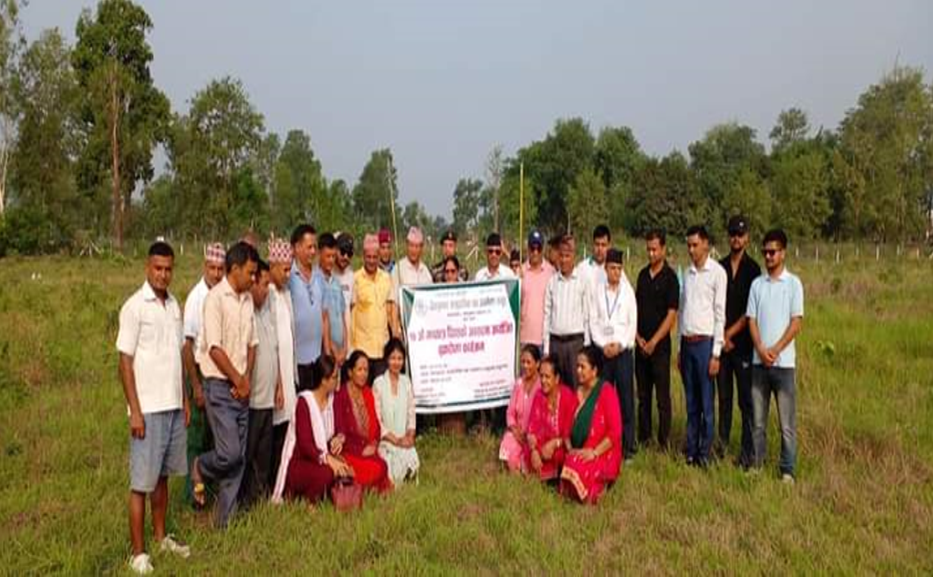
(735, 369)
(620, 372)
(278, 440)
(654, 374)
(258, 457)
(565, 349)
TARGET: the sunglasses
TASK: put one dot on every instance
(736, 233)
(769, 252)
(534, 248)
(494, 251)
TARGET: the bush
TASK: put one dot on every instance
(30, 231)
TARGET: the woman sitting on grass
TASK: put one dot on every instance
(513, 446)
(549, 424)
(355, 417)
(395, 407)
(308, 465)
(595, 452)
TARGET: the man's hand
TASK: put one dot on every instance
(137, 425)
(713, 366)
(197, 390)
(279, 396)
(650, 347)
(728, 345)
(187, 414)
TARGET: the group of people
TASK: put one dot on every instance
(286, 376)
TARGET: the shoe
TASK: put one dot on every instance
(140, 564)
(170, 544)
(788, 479)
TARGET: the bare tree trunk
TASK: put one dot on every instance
(4, 157)
(118, 207)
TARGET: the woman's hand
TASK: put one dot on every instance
(336, 444)
(536, 462)
(547, 452)
(369, 450)
(588, 454)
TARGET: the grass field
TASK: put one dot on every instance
(863, 503)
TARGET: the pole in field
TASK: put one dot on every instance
(392, 204)
(521, 210)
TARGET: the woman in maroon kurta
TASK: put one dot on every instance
(595, 452)
(308, 465)
(355, 417)
(549, 424)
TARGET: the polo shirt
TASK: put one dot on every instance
(655, 296)
(772, 303)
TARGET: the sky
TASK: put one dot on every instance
(441, 82)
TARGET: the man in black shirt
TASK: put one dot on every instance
(657, 294)
(736, 359)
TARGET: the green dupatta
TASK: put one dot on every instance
(584, 419)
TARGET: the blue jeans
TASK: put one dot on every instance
(698, 390)
(225, 464)
(782, 382)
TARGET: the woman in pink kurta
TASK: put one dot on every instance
(549, 425)
(595, 453)
(512, 448)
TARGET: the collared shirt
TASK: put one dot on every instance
(266, 368)
(387, 267)
(656, 296)
(227, 324)
(194, 303)
(737, 292)
(308, 303)
(534, 287)
(281, 303)
(703, 302)
(371, 298)
(407, 274)
(437, 273)
(334, 307)
(592, 272)
(151, 333)
(566, 308)
(503, 272)
(613, 314)
(346, 286)
(773, 303)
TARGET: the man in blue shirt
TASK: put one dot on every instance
(306, 287)
(334, 304)
(775, 316)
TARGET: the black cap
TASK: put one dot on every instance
(449, 236)
(738, 225)
(493, 240)
(535, 238)
(614, 256)
(345, 244)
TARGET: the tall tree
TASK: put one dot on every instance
(11, 42)
(495, 168)
(586, 204)
(466, 207)
(618, 158)
(666, 195)
(885, 158)
(371, 195)
(307, 198)
(43, 175)
(124, 114)
(214, 145)
(792, 127)
(719, 159)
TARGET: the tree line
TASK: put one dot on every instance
(80, 126)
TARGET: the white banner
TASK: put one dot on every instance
(461, 344)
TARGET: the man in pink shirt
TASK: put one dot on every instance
(535, 275)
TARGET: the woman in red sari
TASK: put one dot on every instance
(549, 425)
(355, 417)
(595, 442)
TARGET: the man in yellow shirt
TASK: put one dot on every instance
(373, 308)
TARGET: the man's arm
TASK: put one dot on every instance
(191, 369)
(128, 379)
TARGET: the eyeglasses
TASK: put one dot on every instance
(769, 252)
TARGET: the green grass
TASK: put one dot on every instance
(863, 503)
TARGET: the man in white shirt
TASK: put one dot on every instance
(199, 431)
(343, 271)
(149, 342)
(494, 268)
(566, 314)
(411, 270)
(593, 268)
(613, 325)
(280, 301)
(702, 329)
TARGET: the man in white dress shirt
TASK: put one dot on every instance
(701, 328)
(613, 324)
(494, 268)
(566, 314)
